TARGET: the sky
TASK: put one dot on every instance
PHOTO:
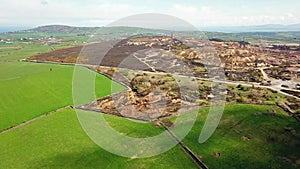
(200, 13)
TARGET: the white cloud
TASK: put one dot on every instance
(209, 16)
(287, 18)
(40, 12)
(36, 12)
(204, 15)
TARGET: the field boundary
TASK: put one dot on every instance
(34, 119)
(98, 111)
(187, 150)
(286, 109)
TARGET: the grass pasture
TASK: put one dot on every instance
(247, 137)
(29, 90)
(274, 141)
(17, 51)
(58, 141)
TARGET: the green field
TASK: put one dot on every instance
(259, 151)
(247, 136)
(58, 141)
(17, 51)
(29, 90)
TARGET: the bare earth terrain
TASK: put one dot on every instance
(271, 69)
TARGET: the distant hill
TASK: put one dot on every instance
(289, 34)
(235, 29)
(61, 29)
(259, 28)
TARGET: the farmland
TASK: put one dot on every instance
(58, 141)
(20, 51)
(39, 127)
(249, 137)
(29, 90)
